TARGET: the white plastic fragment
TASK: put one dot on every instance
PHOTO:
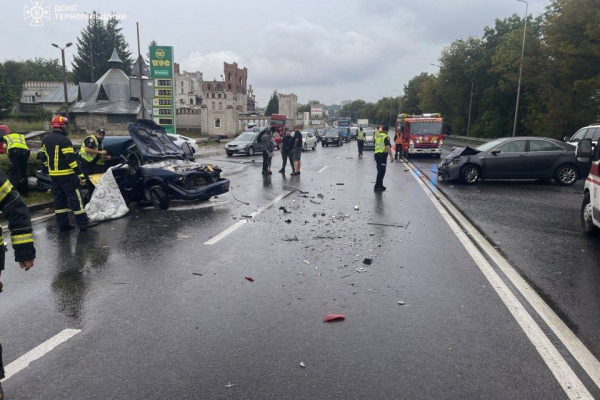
(302, 365)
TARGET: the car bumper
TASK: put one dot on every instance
(425, 151)
(369, 146)
(449, 172)
(236, 151)
(331, 141)
(204, 192)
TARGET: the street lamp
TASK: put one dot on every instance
(521, 67)
(62, 53)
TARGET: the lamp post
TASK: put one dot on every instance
(521, 67)
(62, 53)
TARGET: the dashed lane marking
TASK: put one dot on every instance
(240, 223)
(559, 367)
(38, 352)
(322, 169)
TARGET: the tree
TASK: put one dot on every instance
(99, 39)
(152, 43)
(273, 106)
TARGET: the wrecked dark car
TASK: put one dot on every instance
(514, 158)
(149, 167)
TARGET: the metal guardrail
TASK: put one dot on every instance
(468, 138)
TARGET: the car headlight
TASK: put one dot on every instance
(411, 143)
(441, 143)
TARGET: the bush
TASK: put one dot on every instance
(39, 115)
(33, 165)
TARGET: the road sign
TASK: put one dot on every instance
(163, 103)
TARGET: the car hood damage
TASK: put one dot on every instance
(152, 142)
(181, 166)
(463, 151)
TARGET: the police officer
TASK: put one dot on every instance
(92, 154)
(65, 175)
(15, 211)
(383, 148)
(360, 141)
(18, 154)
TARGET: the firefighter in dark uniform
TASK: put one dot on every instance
(18, 154)
(15, 211)
(383, 148)
(66, 177)
(92, 156)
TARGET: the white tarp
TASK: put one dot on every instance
(107, 202)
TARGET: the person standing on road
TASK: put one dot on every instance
(398, 143)
(267, 145)
(360, 141)
(297, 152)
(66, 177)
(383, 148)
(16, 212)
(286, 151)
(18, 155)
(92, 156)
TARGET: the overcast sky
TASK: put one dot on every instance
(329, 50)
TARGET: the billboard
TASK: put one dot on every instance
(163, 101)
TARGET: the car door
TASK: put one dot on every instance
(257, 144)
(507, 160)
(543, 158)
(311, 140)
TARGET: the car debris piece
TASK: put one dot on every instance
(320, 195)
(302, 365)
(294, 239)
(196, 273)
(306, 262)
(249, 279)
(334, 317)
(380, 224)
(182, 237)
(230, 385)
(316, 202)
(367, 261)
(285, 210)
(356, 207)
(401, 302)
(340, 184)
(361, 269)
(288, 221)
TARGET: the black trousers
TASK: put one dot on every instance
(381, 160)
(285, 156)
(67, 197)
(1, 362)
(361, 146)
(266, 161)
(398, 151)
(18, 169)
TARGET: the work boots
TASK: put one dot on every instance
(89, 225)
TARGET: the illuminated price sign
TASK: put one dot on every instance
(164, 82)
(163, 121)
(163, 92)
(163, 74)
(162, 102)
(162, 111)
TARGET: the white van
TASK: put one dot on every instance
(591, 132)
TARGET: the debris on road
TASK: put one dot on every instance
(361, 269)
(313, 201)
(120, 283)
(182, 237)
(302, 365)
(345, 276)
(230, 385)
(367, 261)
(401, 302)
(294, 239)
(249, 279)
(196, 273)
(380, 224)
(285, 210)
(356, 207)
(306, 262)
(288, 221)
(340, 184)
(407, 225)
(334, 317)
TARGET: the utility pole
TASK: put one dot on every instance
(521, 67)
(62, 53)
(90, 46)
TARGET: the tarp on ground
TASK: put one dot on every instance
(107, 202)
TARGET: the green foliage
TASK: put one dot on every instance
(273, 106)
(40, 115)
(304, 108)
(101, 37)
(33, 164)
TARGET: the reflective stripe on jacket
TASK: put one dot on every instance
(15, 141)
(360, 135)
(380, 142)
(59, 155)
(92, 157)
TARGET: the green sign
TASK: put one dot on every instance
(163, 103)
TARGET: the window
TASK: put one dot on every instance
(516, 146)
(224, 95)
(191, 102)
(213, 95)
(590, 133)
(579, 135)
(217, 123)
(29, 99)
(213, 106)
(229, 86)
(219, 95)
(229, 79)
(182, 101)
(220, 106)
(596, 135)
(102, 94)
(543, 145)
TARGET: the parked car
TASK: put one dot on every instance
(344, 133)
(353, 133)
(369, 140)
(179, 140)
(514, 158)
(332, 136)
(590, 206)
(319, 135)
(149, 167)
(309, 141)
(591, 132)
(246, 143)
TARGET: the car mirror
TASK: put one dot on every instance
(495, 152)
(584, 149)
(566, 138)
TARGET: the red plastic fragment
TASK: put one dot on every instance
(334, 317)
(249, 279)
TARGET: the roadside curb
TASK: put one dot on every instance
(41, 206)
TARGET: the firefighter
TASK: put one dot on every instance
(15, 211)
(92, 156)
(18, 154)
(398, 142)
(65, 175)
(382, 150)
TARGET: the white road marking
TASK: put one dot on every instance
(561, 370)
(338, 157)
(240, 223)
(38, 352)
(322, 169)
(199, 206)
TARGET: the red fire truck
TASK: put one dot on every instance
(421, 134)
(280, 121)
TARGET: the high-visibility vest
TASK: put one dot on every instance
(360, 135)
(380, 142)
(91, 157)
(15, 141)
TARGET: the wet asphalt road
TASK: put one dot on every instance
(162, 315)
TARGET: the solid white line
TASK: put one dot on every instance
(322, 169)
(561, 370)
(584, 357)
(38, 352)
(238, 224)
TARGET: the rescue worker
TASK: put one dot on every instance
(383, 148)
(92, 156)
(360, 141)
(66, 177)
(18, 155)
(15, 211)
(398, 143)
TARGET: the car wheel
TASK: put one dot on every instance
(229, 154)
(250, 151)
(566, 175)
(587, 222)
(314, 146)
(470, 174)
(305, 147)
(159, 198)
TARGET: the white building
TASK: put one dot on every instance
(288, 105)
(35, 91)
(188, 88)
